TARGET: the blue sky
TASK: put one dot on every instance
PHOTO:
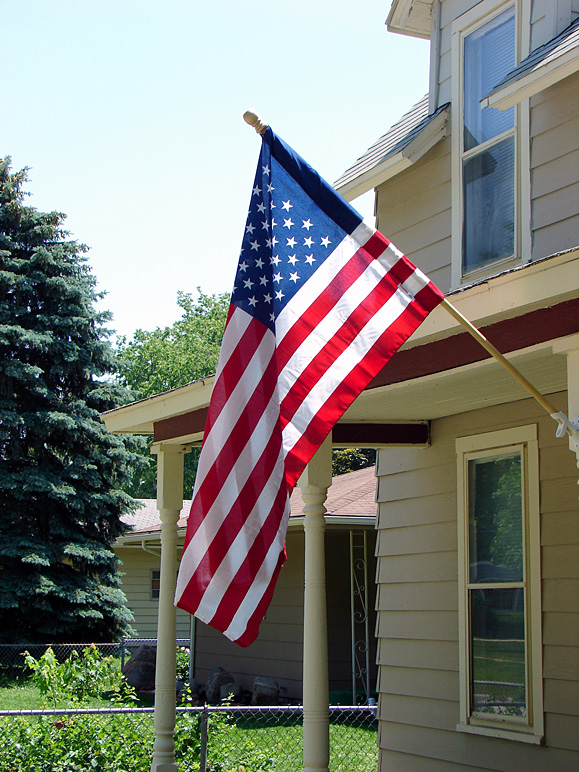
(129, 115)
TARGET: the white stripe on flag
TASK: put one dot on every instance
(321, 279)
(236, 404)
(384, 318)
(236, 327)
(310, 347)
(238, 550)
(260, 583)
(224, 500)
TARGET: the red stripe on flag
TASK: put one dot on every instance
(355, 381)
(228, 454)
(252, 628)
(245, 576)
(361, 314)
(322, 305)
(227, 379)
(237, 516)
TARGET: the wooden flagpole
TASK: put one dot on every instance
(565, 425)
(485, 343)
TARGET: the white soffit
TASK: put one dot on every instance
(139, 417)
(544, 67)
(410, 17)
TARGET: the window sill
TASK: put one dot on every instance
(503, 734)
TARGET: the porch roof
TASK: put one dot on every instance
(351, 501)
(439, 371)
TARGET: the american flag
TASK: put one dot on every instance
(321, 302)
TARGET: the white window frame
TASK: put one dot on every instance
(522, 439)
(461, 27)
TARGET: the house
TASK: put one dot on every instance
(478, 534)
(278, 653)
(477, 577)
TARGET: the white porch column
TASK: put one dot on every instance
(570, 347)
(314, 484)
(169, 503)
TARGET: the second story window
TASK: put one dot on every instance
(485, 156)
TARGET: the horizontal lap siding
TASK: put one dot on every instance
(417, 603)
(136, 584)
(413, 211)
(555, 167)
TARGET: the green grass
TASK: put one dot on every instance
(20, 694)
(241, 745)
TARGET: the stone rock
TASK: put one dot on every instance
(265, 691)
(217, 678)
(140, 669)
(232, 691)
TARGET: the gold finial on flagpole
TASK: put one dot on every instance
(255, 121)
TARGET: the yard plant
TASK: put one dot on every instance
(76, 741)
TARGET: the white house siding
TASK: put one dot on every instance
(555, 167)
(137, 566)
(417, 604)
(413, 211)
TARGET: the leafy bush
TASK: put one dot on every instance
(79, 677)
(182, 663)
(76, 743)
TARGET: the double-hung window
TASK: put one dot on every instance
(155, 584)
(499, 584)
(486, 147)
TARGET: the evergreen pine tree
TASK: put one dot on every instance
(60, 471)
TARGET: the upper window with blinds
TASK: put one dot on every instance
(485, 166)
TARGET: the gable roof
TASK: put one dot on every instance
(543, 67)
(351, 496)
(402, 145)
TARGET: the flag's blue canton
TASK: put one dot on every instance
(287, 237)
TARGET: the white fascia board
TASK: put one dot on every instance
(136, 540)
(335, 521)
(389, 168)
(410, 17)
(537, 80)
(139, 417)
(534, 285)
(436, 130)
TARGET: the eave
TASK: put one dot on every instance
(382, 161)
(410, 17)
(152, 539)
(545, 66)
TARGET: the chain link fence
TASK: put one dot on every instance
(207, 739)
(12, 654)
(223, 738)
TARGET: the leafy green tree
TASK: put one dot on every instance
(349, 459)
(169, 357)
(60, 471)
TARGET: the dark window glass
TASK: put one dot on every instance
(498, 658)
(489, 205)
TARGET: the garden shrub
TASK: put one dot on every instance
(79, 677)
